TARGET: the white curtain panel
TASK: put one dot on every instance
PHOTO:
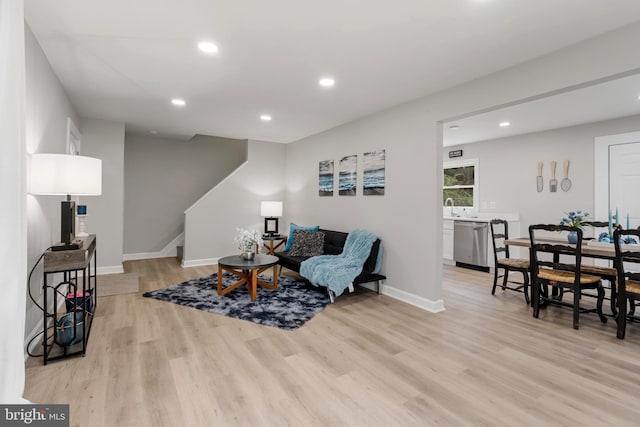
(13, 254)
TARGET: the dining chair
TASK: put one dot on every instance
(628, 267)
(609, 274)
(563, 272)
(502, 260)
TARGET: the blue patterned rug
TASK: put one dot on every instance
(288, 307)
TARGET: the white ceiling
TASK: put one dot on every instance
(608, 100)
(124, 60)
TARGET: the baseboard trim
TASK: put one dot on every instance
(171, 249)
(415, 300)
(199, 262)
(142, 255)
(110, 269)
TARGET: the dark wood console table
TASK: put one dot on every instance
(70, 264)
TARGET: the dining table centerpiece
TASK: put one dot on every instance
(248, 240)
(577, 219)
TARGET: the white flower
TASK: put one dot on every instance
(248, 239)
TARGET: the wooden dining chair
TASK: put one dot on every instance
(628, 267)
(566, 275)
(502, 260)
(610, 274)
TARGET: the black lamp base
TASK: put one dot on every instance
(270, 226)
(68, 222)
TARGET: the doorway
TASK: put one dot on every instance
(617, 177)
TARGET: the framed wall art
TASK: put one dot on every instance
(347, 179)
(373, 176)
(325, 178)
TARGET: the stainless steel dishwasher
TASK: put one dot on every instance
(470, 240)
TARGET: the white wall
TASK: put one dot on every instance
(408, 217)
(210, 225)
(163, 177)
(508, 167)
(12, 193)
(105, 140)
(47, 110)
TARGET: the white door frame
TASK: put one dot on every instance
(601, 169)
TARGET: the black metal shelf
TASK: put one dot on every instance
(80, 310)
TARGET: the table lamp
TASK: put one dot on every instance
(66, 175)
(270, 210)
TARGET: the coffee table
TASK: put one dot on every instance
(248, 271)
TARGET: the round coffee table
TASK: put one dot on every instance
(248, 271)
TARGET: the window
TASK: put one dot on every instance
(460, 182)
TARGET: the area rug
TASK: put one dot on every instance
(117, 284)
(288, 307)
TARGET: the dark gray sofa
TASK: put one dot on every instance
(333, 245)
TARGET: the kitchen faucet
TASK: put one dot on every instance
(449, 199)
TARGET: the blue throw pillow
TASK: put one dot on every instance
(294, 227)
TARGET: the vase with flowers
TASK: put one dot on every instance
(247, 240)
(576, 219)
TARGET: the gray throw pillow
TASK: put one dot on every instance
(307, 243)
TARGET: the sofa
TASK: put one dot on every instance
(333, 245)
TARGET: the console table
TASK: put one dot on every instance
(70, 264)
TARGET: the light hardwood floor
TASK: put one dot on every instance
(367, 360)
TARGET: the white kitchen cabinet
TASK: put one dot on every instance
(447, 241)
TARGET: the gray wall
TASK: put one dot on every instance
(105, 140)
(163, 177)
(508, 167)
(403, 218)
(47, 109)
(211, 223)
(409, 216)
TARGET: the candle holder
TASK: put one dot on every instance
(81, 226)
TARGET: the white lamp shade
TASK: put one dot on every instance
(271, 209)
(62, 174)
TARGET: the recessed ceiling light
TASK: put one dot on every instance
(208, 47)
(178, 102)
(454, 127)
(153, 132)
(265, 118)
(326, 82)
(504, 124)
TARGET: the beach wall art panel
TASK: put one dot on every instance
(373, 176)
(325, 178)
(347, 176)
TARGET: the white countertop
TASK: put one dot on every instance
(484, 217)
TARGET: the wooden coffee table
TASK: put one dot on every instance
(248, 271)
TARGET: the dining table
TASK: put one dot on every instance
(590, 248)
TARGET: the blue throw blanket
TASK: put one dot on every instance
(337, 272)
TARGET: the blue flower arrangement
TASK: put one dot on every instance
(575, 219)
